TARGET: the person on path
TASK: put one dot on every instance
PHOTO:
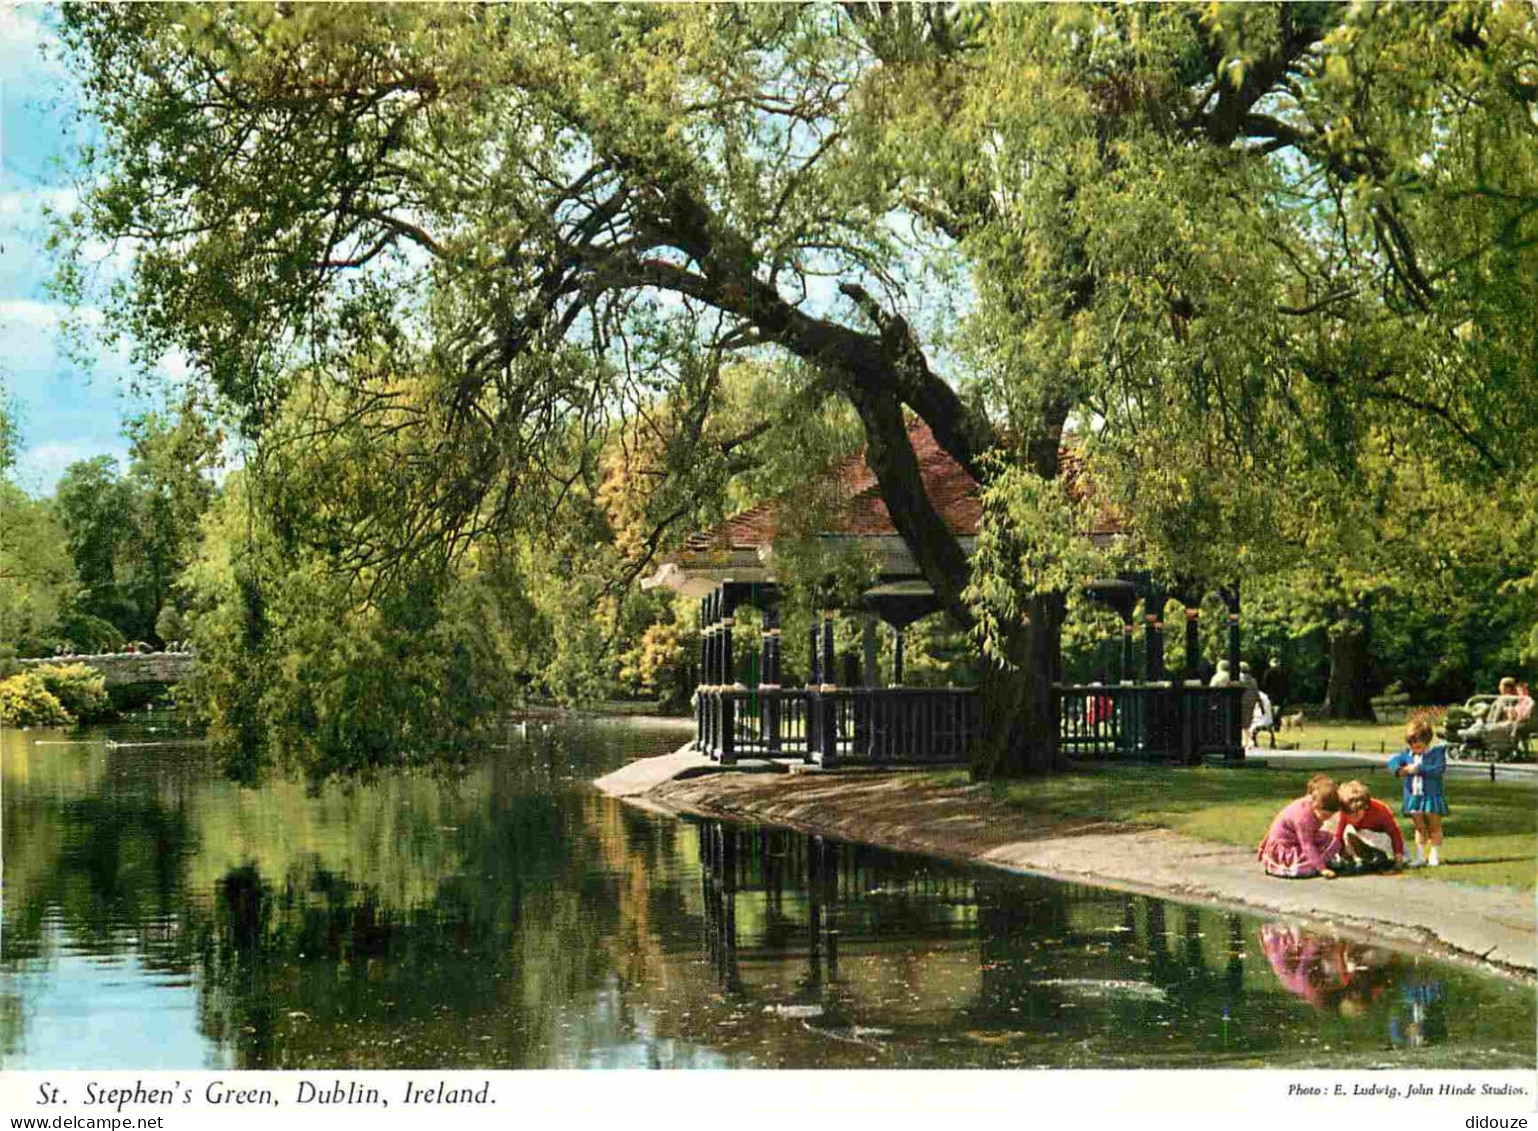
(1369, 832)
(1422, 766)
(1298, 845)
(1247, 701)
(1274, 682)
(1262, 719)
(1222, 677)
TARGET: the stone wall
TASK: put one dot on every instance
(126, 668)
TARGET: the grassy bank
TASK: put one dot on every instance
(1341, 737)
(1491, 833)
(1364, 738)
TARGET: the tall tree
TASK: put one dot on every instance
(1227, 244)
(170, 475)
(96, 508)
(37, 580)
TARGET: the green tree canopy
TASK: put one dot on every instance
(1238, 249)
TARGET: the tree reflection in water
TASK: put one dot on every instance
(1018, 970)
(512, 918)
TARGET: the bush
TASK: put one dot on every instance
(26, 702)
(80, 688)
(91, 634)
(170, 624)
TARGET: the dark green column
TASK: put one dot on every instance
(1153, 644)
(1193, 644)
(828, 674)
(814, 669)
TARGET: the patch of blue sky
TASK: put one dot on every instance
(71, 403)
(83, 1011)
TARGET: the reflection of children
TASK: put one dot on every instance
(1311, 966)
(1422, 766)
(1297, 845)
(1328, 973)
(1369, 834)
(1425, 1019)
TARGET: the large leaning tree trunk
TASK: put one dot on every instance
(883, 375)
(1017, 725)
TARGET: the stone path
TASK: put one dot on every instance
(646, 774)
(1489, 924)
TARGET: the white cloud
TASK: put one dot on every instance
(33, 314)
(27, 208)
(28, 46)
(38, 469)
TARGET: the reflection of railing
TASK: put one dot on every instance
(1182, 723)
(863, 725)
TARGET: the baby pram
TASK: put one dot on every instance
(1482, 728)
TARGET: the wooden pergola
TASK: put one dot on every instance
(732, 567)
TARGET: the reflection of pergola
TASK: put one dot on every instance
(733, 567)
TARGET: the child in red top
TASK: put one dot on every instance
(1368, 829)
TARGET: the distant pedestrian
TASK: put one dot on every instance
(1298, 846)
(1369, 834)
(1248, 700)
(1422, 766)
(1222, 677)
(1263, 718)
(1275, 682)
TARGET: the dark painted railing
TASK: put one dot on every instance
(767, 723)
(891, 726)
(886, 726)
(857, 725)
(1183, 723)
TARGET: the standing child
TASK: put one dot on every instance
(1421, 767)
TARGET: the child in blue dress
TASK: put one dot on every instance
(1421, 767)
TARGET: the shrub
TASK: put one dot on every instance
(170, 624)
(92, 634)
(80, 688)
(26, 702)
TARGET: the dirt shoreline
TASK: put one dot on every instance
(1490, 927)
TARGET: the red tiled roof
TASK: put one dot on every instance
(863, 512)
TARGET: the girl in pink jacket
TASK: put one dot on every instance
(1298, 845)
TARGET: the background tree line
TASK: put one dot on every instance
(94, 565)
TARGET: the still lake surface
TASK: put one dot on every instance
(158, 916)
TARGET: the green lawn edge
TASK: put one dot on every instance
(1491, 835)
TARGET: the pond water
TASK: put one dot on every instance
(157, 916)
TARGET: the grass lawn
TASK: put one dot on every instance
(1367, 738)
(1361, 738)
(1491, 834)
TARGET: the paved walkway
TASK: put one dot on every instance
(1526, 772)
(894, 810)
(645, 774)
